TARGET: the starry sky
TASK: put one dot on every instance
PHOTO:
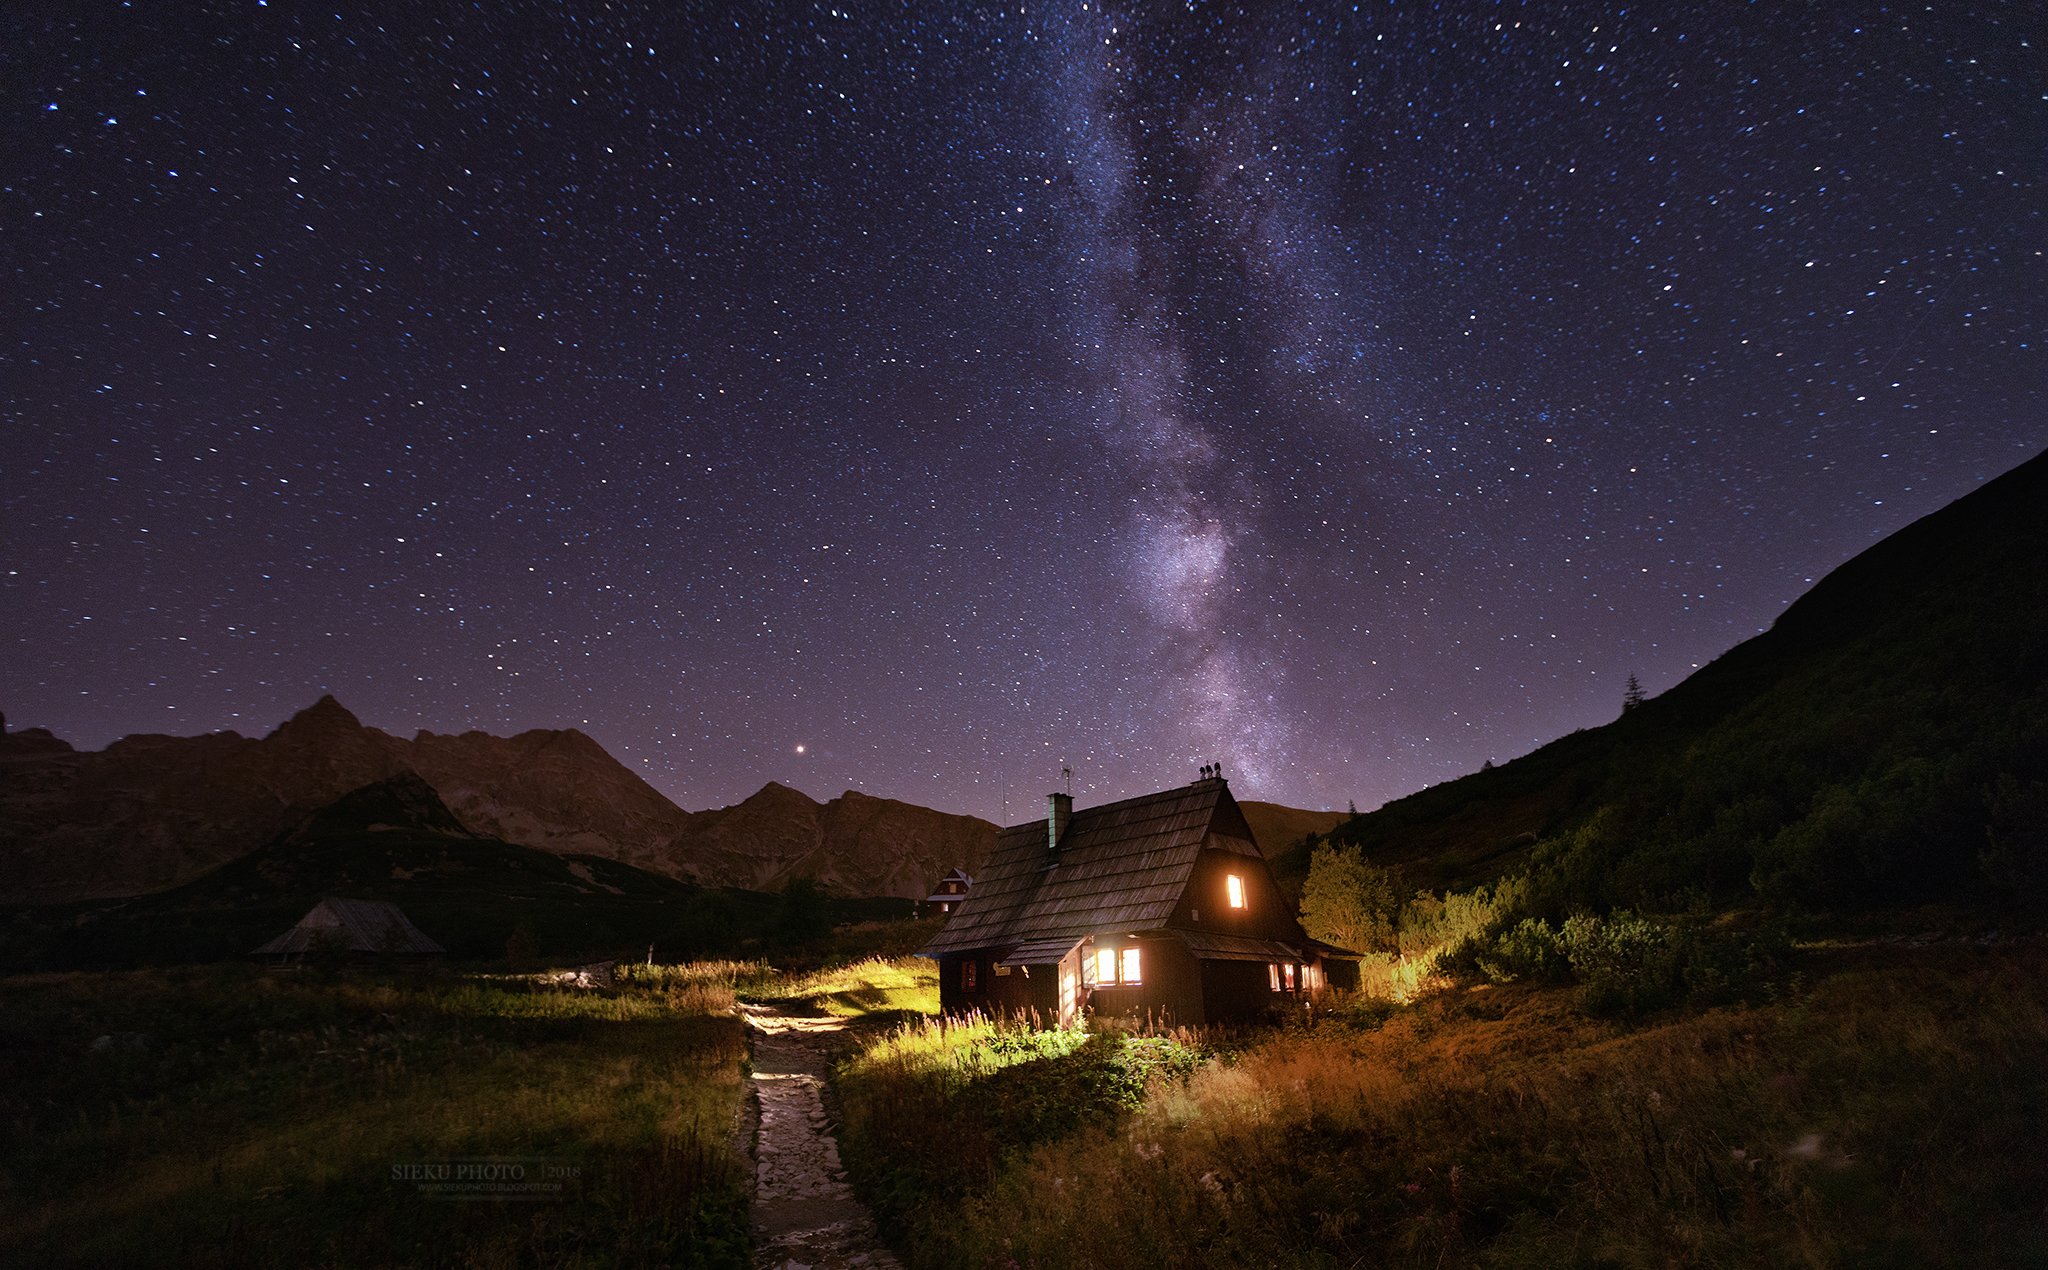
(920, 398)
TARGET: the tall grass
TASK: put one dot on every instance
(234, 1116)
(905, 985)
(874, 985)
(932, 1110)
(696, 987)
(1887, 1116)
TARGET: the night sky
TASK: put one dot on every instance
(916, 399)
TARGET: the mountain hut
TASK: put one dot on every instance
(352, 927)
(1158, 907)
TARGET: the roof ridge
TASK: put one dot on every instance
(1169, 792)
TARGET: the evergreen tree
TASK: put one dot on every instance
(1633, 695)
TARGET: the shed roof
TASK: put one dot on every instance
(338, 925)
(1120, 866)
(1210, 946)
(1041, 952)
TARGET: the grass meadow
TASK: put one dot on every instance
(236, 1116)
(1887, 1114)
(1880, 1107)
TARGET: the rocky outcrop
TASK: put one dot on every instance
(151, 811)
(556, 790)
(855, 845)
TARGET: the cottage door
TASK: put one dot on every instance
(1068, 1006)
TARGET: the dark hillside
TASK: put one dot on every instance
(1886, 740)
(394, 840)
(481, 898)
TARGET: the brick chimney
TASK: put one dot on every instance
(1059, 809)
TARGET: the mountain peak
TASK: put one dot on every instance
(324, 715)
(778, 790)
(404, 801)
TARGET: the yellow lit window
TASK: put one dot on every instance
(1130, 965)
(1287, 972)
(1105, 965)
(1235, 885)
(1273, 974)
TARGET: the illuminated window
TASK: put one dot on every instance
(1287, 972)
(1130, 965)
(1273, 974)
(1235, 885)
(1105, 965)
(966, 974)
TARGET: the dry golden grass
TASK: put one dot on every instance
(873, 985)
(1887, 1116)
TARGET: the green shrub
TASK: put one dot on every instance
(1724, 965)
(1529, 951)
(2015, 855)
(1630, 964)
(1625, 964)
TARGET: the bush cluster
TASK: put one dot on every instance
(1629, 963)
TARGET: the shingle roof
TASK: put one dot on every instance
(1041, 952)
(1209, 946)
(335, 925)
(1121, 866)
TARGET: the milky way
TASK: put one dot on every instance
(1348, 395)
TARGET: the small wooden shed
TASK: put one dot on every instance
(951, 889)
(1160, 906)
(338, 926)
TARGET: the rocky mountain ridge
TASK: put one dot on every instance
(151, 811)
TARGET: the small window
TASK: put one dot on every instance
(1131, 965)
(1273, 974)
(966, 974)
(1235, 885)
(1105, 965)
(1001, 970)
(1287, 972)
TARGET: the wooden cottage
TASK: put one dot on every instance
(951, 889)
(1161, 907)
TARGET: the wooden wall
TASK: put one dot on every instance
(1022, 991)
(1171, 993)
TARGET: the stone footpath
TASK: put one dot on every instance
(805, 1216)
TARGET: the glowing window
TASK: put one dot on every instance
(1287, 972)
(1273, 974)
(1105, 965)
(1235, 885)
(1130, 965)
